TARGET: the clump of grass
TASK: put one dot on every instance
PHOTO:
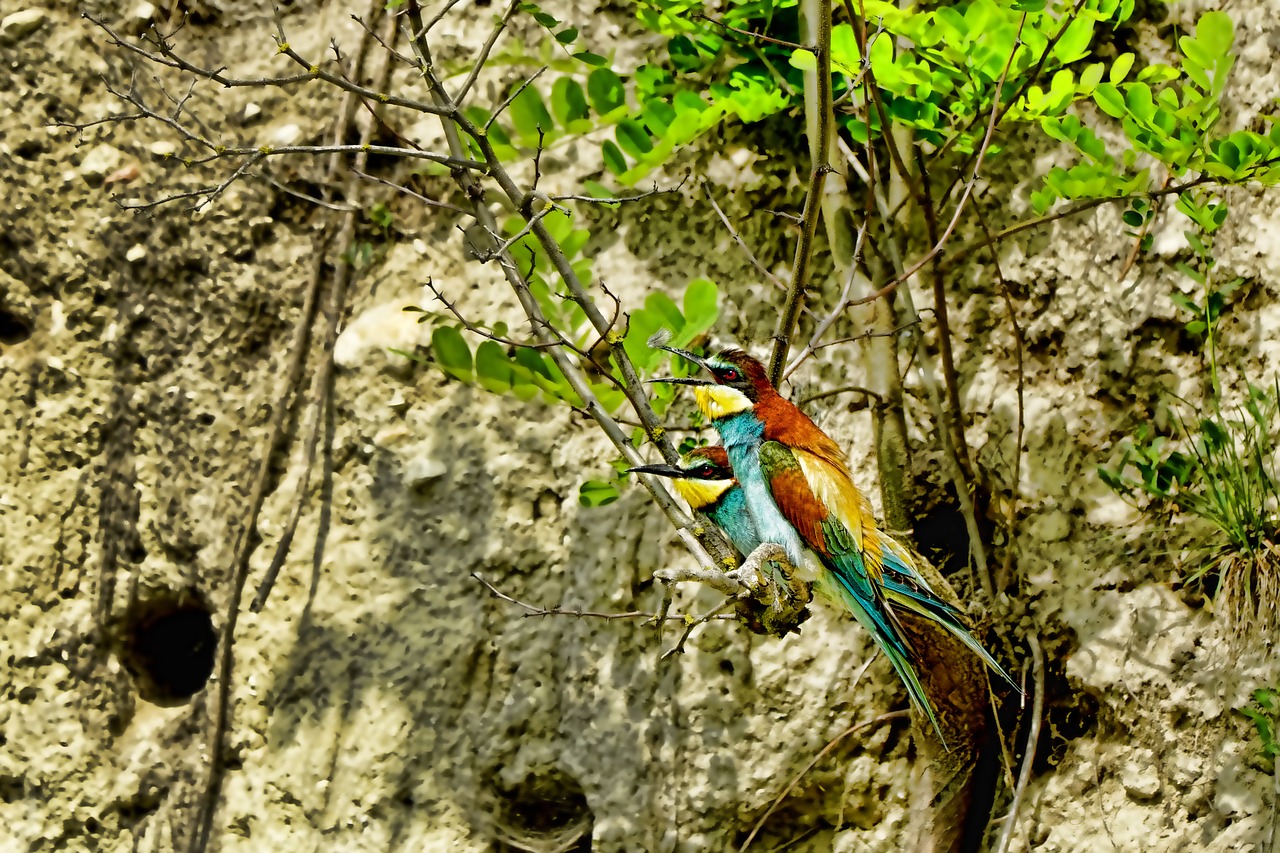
(1220, 468)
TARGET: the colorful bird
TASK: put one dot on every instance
(706, 481)
(800, 495)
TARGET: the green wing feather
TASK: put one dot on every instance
(847, 580)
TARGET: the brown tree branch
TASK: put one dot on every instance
(817, 103)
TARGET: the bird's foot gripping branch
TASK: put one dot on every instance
(770, 598)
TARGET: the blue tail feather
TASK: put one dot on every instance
(875, 617)
(906, 588)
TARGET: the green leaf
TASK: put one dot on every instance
(684, 54)
(1138, 99)
(804, 60)
(451, 352)
(568, 101)
(1109, 100)
(529, 114)
(1120, 68)
(1074, 44)
(594, 493)
(658, 116)
(548, 21)
(701, 309)
(567, 36)
(595, 189)
(633, 138)
(606, 91)
(665, 309)
(1216, 33)
(595, 60)
(493, 369)
(613, 159)
(1090, 77)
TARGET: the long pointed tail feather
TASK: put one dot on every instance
(906, 588)
(880, 624)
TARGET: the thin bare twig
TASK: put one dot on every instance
(843, 389)
(842, 303)
(737, 238)
(515, 93)
(1011, 517)
(443, 205)
(887, 333)
(1033, 739)
(623, 199)
(874, 722)
(692, 624)
(167, 57)
(427, 26)
(1071, 210)
(460, 96)
(532, 610)
(820, 156)
(386, 45)
(482, 332)
(751, 35)
(486, 255)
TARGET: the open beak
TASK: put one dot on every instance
(660, 470)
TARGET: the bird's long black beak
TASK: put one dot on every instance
(671, 380)
(683, 353)
(687, 356)
(660, 470)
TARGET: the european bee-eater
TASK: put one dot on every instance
(800, 495)
(707, 483)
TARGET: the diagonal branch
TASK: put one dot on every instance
(479, 63)
(455, 124)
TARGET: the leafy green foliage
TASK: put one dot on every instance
(936, 71)
(1219, 467)
(529, 372)
(1264, 713)
(1170, 114)
(1225, 470)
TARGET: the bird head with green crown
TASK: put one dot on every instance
(737, 381)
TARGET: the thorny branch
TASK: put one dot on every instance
(164, 54)
(531, 610)
(455, 124)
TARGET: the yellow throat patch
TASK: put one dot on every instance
(720, 401)
(701, 493)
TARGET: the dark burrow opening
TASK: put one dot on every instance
(545, 810)
(941, 533)
(168, 643)
(14, 329)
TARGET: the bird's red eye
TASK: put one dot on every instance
(730, 375)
